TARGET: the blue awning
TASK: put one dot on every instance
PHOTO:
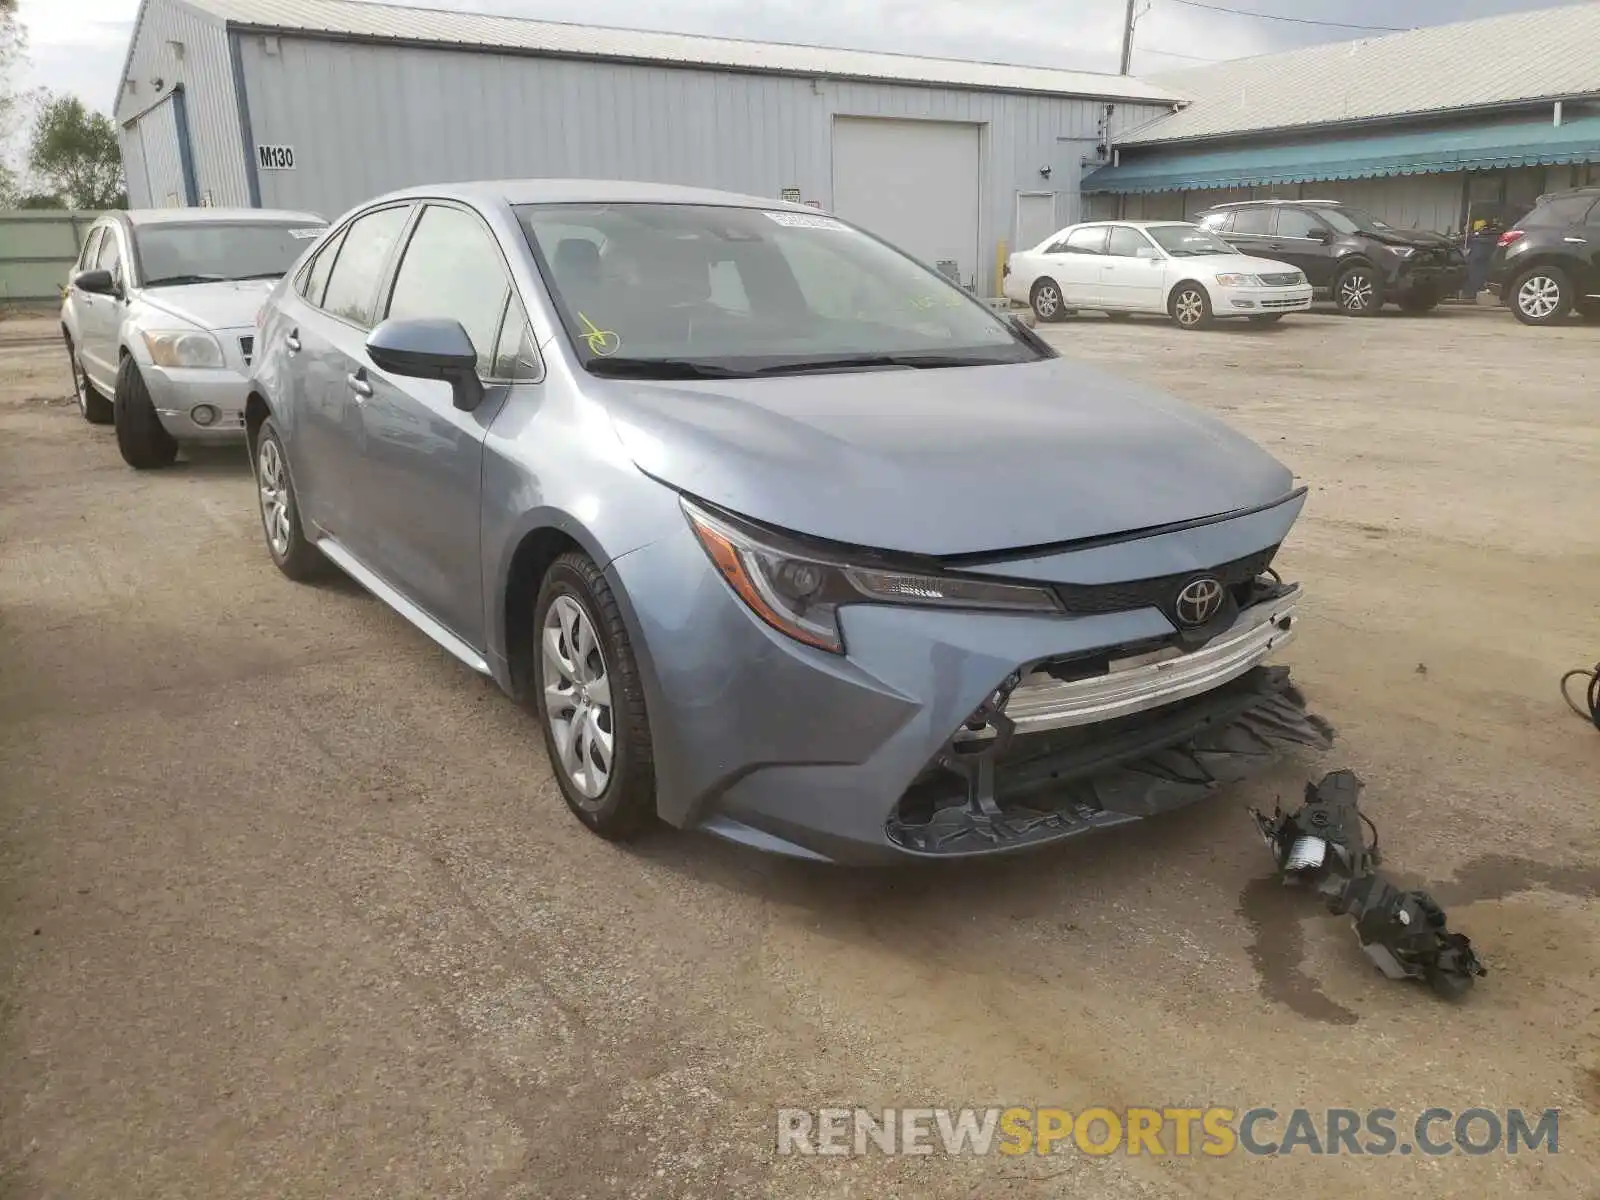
(1526, 143)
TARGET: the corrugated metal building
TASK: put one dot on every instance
(319, 104)
(1415, 127)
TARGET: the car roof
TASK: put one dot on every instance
(582, 191)
(1278, 202)
(209, 216)
(1130, 224)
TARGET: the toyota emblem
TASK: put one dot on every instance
(1199, 601)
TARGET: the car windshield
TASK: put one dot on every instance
(1186, 241)
(209, 251)
(683, 290)
(1352, 220)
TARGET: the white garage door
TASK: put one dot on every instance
(913, 183)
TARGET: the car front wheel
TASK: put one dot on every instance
(96, 409)
(1541, 296)
(591, 703)
(1189, 306)
(1358, 292)
(141, 438)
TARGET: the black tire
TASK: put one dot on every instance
(1046, 300)
(144, 443)
(285, 536)
(1265, 318)
(96, 409)
(1419, 302)
(1189, 306)
(1358, 292)
(625, 806)
(1541, 295)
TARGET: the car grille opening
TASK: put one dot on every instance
(1281, 279)
(1161, 592)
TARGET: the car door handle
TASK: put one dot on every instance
(359, 386)
(1579, 241)
(293, 341)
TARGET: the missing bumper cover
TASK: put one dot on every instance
(1046, 786)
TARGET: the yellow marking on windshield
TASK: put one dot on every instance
(602, 342)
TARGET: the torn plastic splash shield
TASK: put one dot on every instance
(1044, 787)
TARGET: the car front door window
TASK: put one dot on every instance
(453, 269)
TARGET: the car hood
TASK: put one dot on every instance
(1217, 264)
(231, 305)
(1412, 237)
(949, 461)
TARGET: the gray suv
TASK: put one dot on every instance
(783, 536)
(159, 320)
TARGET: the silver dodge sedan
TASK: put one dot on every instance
(159, 320)
(783, 536)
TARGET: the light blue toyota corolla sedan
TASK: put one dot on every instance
(785, 537)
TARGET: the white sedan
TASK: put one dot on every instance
(1170, 267)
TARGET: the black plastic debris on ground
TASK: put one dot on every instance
(1403, 932)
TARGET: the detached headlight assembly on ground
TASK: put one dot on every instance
(183, 348)
(798, 590)
(1239, 280)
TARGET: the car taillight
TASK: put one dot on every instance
(1510, 236)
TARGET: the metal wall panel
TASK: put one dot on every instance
(177, 44)
(363, 119)
(157, 131)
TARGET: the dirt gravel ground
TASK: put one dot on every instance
(289, 905)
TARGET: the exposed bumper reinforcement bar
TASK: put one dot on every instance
(1043, 702)
(1051, 787)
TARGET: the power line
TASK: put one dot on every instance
(1261, 16)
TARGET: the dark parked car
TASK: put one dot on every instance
(1348, 255)
(1549, 262)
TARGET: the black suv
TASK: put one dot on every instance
(1346, 254)
(1549, 261)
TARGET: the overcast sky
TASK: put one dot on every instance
(78, 45)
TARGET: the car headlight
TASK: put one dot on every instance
(183, 348)
(799, 590)
(1239, 280)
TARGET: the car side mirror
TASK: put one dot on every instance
(1325, 236)
(96, 283)
(429, 348)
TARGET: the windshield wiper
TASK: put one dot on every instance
(257, 275)
(874, 361)
(179, 280)
(662, 368)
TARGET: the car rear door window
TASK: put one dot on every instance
(1560, 212)
(315, 280)
(1252, 220)
(453, 268)
(352, 287)
(1087, 241)
(1298, 223)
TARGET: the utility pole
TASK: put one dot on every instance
(1127, 39)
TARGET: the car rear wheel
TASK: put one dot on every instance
(1047, 302)
(1189, 306)
(140, 436)
(1541, 296)
(1358, 292)
(591, 702)
(294, 555)
(96, 409)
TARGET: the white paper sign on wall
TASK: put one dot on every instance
(275, 158)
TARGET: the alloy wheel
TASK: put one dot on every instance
(1046, 300)
(577, 697)
(1355, 292)
(273, 480)
(1539, 296)
(1189, 307)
